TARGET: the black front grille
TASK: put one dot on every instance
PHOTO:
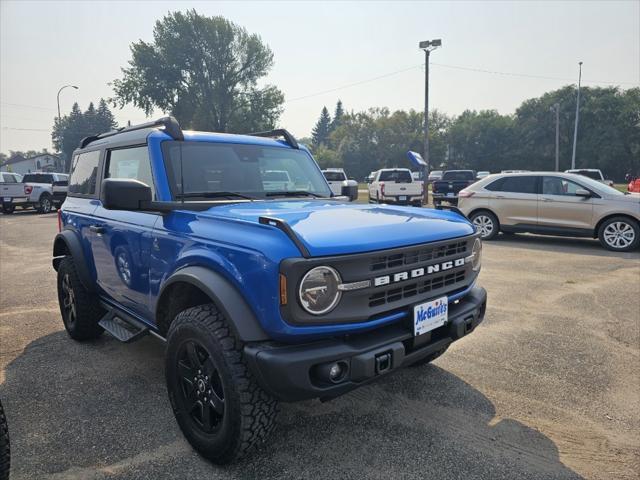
(417, 256)
(394, 294)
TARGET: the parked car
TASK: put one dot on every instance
(340, 184)
(10, 177)
(434, 175)
(395, 185)
(262, 296)
(481, 174)
(594, 173)
(634, 184)
(553, 203)
(42, 191)
(10, 187)
(452, 181)
(369, 178)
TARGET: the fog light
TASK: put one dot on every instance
(335, 372)
(332, 372)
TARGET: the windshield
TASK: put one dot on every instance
(252, 171)
(398, 176)
(458, 175)
(599, 186)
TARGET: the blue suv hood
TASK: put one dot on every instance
(334, 228)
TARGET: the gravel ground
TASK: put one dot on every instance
(548, 387)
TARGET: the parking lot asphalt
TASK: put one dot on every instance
(548, 387)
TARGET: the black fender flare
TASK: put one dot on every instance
(236, 310)
(69, 241)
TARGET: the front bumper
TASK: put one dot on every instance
(289, 372)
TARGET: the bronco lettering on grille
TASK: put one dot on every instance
(417, 272)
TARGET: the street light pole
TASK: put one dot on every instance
(556, 108)
(58, 98)
(575, 130)
(428, 46)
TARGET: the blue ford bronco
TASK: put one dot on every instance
(266, 287)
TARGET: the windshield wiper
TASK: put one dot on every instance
(214, 195)
(294, 193)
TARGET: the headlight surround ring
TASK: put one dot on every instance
(476, 253)
(310, 291)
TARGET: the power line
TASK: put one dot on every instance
(28, 129)
(527, 75)
(22, 105)
(355, 83)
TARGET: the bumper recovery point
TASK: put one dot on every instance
(299, 372)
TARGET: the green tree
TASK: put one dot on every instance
(68, 131)
(337, 116)
(320, 133)
(204, 71)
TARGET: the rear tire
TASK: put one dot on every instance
(45, 203)
(5, 449)
(486, 223)
(217, 403)
(80, 308)
(619, 234)
(8, 209)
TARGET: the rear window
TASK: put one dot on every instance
(524, 184)
(334, 176)
(590, 174)
(84, 173)
(37, 178)
(459, 175)
(398, 176)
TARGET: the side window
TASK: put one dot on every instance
(519, 184)
(8, 178)
(84, 173)
(131, 163)
(559, 186)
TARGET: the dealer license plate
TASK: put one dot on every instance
(402, 198)
(430, 315)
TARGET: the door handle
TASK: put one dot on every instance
(547, 200)
(97, 229)
(499, 196)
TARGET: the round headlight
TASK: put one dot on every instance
(476, 254)
(319, 292)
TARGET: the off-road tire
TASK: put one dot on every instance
(492, 220)
(45, 203)
(605, 235)
(5, 450)
(83, 325)
(249, 412)
(8, 209)
(429, 358)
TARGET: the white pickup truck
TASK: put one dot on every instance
(337, 180)
(42, 191)
(395, 185)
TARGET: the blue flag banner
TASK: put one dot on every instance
(416, 159)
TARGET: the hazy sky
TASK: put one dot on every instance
(321, 46)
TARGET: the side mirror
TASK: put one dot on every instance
(124, 194)
(581, 192)
(350, 191)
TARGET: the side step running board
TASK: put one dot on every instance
(121, 325)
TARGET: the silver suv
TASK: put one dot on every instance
(553, 203)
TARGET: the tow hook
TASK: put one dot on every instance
(383, 363)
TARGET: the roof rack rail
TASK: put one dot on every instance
(279, 132)
(170, 124)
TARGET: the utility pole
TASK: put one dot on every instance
(428, 46)
(556, 108)
(575, 130)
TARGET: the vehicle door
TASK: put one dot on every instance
(373, 186)
(82, 200)
(122, 242)
(514, 199)
(560, 207)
